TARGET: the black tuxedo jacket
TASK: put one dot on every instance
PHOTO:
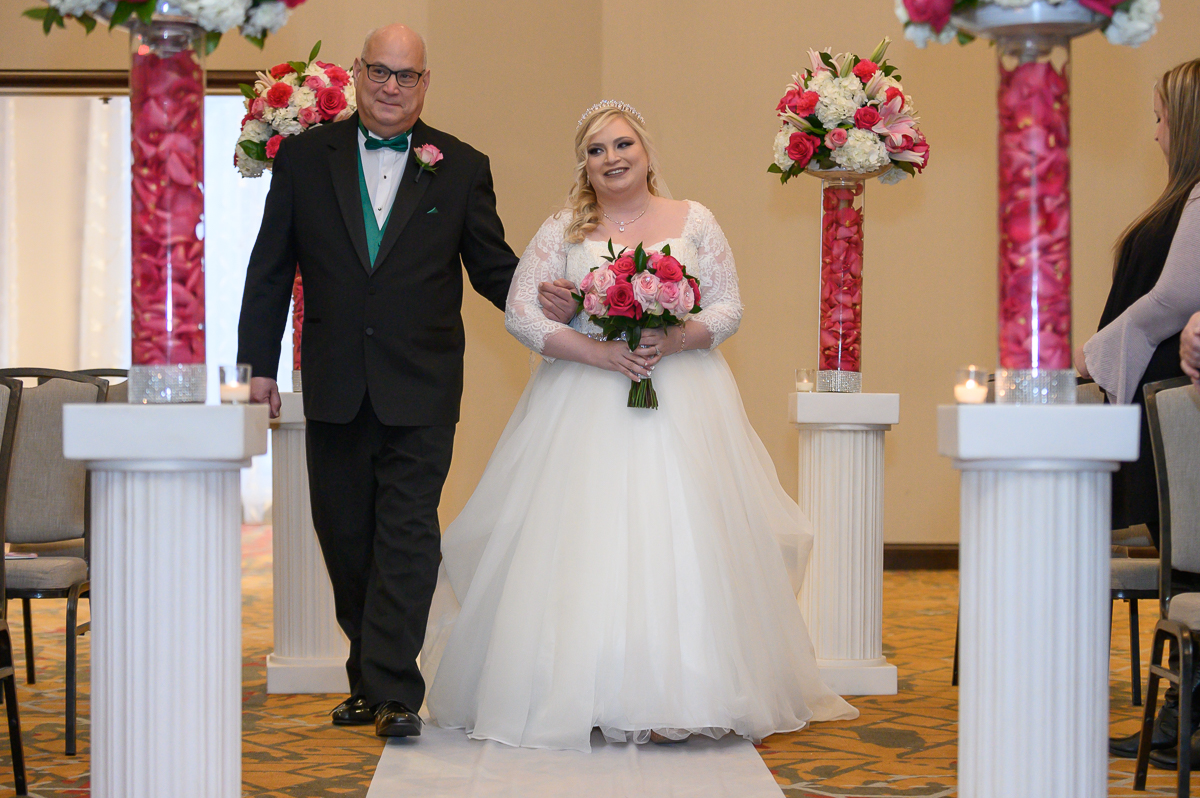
(394, 330)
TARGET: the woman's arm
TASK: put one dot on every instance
(719, 296)
(1117, 356)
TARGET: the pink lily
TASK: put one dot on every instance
(817, 64)
(895, 124)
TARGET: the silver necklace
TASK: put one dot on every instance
(621, 225)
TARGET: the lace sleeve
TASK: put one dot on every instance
(545, 259)
(719, 294)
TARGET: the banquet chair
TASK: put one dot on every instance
(1173, 415)
(118, 392)
(10, 404)
(48, 502)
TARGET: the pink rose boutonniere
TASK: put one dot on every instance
(428, 157)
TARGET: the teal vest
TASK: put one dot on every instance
(374, 231)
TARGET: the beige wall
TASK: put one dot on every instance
(513, 77)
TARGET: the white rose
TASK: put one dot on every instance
(265, 18)
(75, 8)
(862, 152)
(782, 138)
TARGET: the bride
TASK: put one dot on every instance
(628, 569)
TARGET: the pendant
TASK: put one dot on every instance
(621, 227)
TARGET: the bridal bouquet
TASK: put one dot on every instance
(1130, 22)
(254, 18)
(638, 291)
(286, 100)
(850, 113)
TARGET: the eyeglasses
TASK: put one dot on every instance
(405, 78)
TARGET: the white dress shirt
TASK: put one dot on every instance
(383, 170)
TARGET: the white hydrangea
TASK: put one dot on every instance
(303, 97)
(249, 167)
(266, 18)
(289, 127)
(75, 8)
(782, 139)
(1135, 26)
(840, 98)
(862, 152)
(892, 176)
(255, 130)
(217, 16)
(921, 35)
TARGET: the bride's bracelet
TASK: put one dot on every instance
(682, 337)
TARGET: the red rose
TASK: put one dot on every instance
(695, 289)
(330, 100)
(802, 147)
(337, 76)
(864, 70)
(292, 3)
(621, 301)
(273, 145)
(1105, 7)
(279, 70)
(892, 93)
(668, 269)
(624, 267)
(935, 13)
(866, 118)
(278, 95)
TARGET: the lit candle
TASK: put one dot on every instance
(970, 393)
(235, 393)
(805, 382)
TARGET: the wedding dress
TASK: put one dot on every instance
(621, 568)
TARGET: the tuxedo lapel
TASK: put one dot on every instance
(343, 162)
(408, 193)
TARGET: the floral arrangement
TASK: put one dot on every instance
(850, 113)
(254, 18)
(634, 292)
(1130, 22)
(286, 100)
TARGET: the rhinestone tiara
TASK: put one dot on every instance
(620, 106)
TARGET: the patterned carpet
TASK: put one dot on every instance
(903, 745)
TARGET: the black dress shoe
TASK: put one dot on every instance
(353, 712)
(1168, 758)
(1166, 729)
(394, 719)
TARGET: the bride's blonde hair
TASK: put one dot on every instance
(581, 199)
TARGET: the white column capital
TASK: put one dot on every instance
(291, 411)
(823, 410)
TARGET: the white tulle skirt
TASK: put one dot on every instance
(626, 569)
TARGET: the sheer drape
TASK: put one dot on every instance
(8, 234)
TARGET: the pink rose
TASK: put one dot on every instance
(315, 82)
(336, 75)
(256, 107)
(687, 300)
(428, 155)
(621, 301)
(695, 286)
(273, 145)
(866, 118)
(668, 295)
(624, 267)
(279, 94)
(593, 305)
(864, 70)
(835, 138)
(309, 116)
(603, 279)
(645, 291)
(585, 284)
(935, 13)
(669, 270)
(802, 147)
(330, 100)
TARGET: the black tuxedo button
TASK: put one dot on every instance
(370, 331)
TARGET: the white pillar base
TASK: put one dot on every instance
(310, 649)
(1034, 593)
(841, 493)
(166, 593)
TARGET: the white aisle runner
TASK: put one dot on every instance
(444, 763)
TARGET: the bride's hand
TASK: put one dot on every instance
(653, 346)
(616, 356)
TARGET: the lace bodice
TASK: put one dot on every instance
(701, 248)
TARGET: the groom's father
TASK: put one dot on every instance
(379, 239)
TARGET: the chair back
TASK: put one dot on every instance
(1173, 415)
(10, 405)
(118, 392)
(1089, 393)
(47, 493)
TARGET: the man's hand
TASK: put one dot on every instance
(1189, 349)
(557, 302)
(265, 391)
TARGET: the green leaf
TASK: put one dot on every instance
(247, 91)
(255, 149)
(827, 60)
(36, 13)
(666, 250)
(897, 76)
(61, 22)
(121, 15)
(211, 40)
(257, 41)
(299, 66)
(888, 69)
(48, 21)
(87, 21)
(145, 11)
(312, 55)
(783, 178)
(774, 169)
(906, 166)
(964, 37)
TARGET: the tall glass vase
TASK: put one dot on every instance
(839, 358)
(1034, 185)
(166, 89)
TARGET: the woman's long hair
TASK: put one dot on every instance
(581, 199)
(1179, 90)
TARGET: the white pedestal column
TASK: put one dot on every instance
(1034, 593)
(841, 492)
(310, 649)
(166, 593)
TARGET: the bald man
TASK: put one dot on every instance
(381, 243)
